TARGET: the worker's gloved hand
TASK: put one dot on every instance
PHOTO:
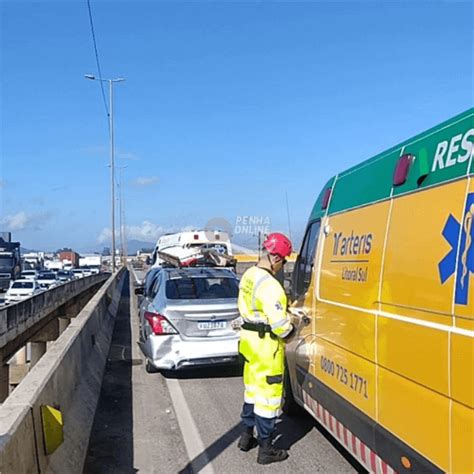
(296, 316)
(299, 317)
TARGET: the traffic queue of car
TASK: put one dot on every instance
(32, 282)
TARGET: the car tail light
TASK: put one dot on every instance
(159, 324)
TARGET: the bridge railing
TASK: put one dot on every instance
(45, 423)
(19, 317)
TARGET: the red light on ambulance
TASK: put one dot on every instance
(326, 198)
(401, 170)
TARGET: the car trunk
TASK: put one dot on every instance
(204, 318)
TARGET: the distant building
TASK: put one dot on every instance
(69, 256)
(106, 252)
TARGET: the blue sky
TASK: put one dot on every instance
(227, 106)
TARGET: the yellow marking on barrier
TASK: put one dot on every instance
(53, 435)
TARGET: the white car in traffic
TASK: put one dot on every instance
(29, 274)
(21, 289)
(48, 280)
(86, 271)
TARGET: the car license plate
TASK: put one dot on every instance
(207, 325)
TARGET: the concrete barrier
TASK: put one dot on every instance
(69, 378)
(18, 318)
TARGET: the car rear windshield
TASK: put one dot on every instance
(201, 288)
(47, 276)
(22, 284)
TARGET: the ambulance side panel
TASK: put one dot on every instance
(414, 320)
(347, 296)
(391, 280)
(462, 348)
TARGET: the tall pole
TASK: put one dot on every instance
(121, 214)
(112, 168)
(112, 153)
(124, 229)
(121, 217)
(124, 233)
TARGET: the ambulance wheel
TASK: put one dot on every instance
(289, 405)
(150, 368)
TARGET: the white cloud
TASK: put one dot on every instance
(21, 220)
(104, 236)
(146, 181)
(147, 232)
(16, 221)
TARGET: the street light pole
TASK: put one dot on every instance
(112, 154)
(112, 166)
(121, 217)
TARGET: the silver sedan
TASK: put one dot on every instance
(189, 317)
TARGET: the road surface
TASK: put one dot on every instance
(189, 422)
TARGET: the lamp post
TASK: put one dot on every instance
(122, 218)
(112, 152)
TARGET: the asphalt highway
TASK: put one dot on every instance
(188, 422)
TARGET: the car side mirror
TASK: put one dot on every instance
(140, 290)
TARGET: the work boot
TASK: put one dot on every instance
(247, 441)
(267, 453)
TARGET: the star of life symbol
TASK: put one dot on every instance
(465, 245)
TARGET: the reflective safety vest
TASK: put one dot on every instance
(262, 305)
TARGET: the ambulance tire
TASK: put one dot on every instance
(150, 368)
(289, 405)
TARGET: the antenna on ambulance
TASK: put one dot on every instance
(288, 215)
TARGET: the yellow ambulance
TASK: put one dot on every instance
(384, 357)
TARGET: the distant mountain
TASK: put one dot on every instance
(23, 250)
(134, 245)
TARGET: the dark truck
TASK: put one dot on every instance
(10, 260)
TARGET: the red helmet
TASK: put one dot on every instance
(278, 244)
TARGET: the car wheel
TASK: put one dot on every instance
(150, 368)
(289, 405)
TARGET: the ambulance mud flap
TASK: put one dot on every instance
(370, 434)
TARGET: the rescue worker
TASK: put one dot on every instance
(266, 325)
